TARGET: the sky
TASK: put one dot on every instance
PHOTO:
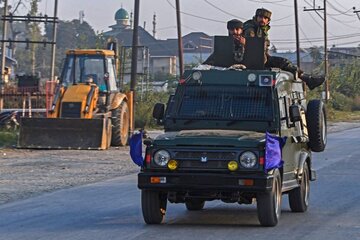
(210, 16)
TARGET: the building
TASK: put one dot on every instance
(162, 54)
(307, 63)
(10, 65)
(341, 56)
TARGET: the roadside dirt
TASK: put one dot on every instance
(27, 173)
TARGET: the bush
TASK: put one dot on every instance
(144, 109)
(341, 102)
(356, 104)
(7, 138)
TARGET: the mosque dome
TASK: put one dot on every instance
(121, 14)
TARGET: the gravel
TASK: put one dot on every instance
(28, 173)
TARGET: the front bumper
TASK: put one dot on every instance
(205, 181)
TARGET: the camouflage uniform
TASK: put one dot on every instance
(253, 29)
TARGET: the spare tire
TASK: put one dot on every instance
(316, 125)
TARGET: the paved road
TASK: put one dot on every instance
(111, 209)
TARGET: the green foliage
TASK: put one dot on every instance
(315, 53)
(70, 35)
(144, 109)
(340, 102)
(346, 80)
(345, 87)
(7, 138)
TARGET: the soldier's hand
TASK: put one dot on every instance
(239, 39)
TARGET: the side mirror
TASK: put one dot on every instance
(295, 115)
(159, 111)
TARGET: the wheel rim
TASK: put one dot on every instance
(323, 128)
(125, 126)
(306, 187)
(277, 198)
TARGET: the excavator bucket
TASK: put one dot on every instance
(64, 133)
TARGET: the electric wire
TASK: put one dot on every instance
(223, 11)
(195, 16)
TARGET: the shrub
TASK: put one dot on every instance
(144, 109)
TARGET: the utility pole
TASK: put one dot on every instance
(180, 44)
(53, 46)
(39, 19)
(3, 57)
(297, 34)
(326, 92)
(326, 60)
(134, 55)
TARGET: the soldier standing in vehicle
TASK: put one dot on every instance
(259, 26)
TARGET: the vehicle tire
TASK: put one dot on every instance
(299, 197)
(194, 204)
(316, 125)
(121, 124)
(153, 204)
(269, 203)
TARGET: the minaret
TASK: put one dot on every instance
(81, 16)
(154, 25)
(131, 20)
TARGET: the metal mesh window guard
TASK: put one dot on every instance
(224, 103)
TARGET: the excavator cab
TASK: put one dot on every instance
(96, 67)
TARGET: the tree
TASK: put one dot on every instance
(316, 55)
(34, 32)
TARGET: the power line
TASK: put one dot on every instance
(306, 37)
(196, 16)
(339, 11)
(223, 11)
(338, 4)
(319, 39)
(272, 2)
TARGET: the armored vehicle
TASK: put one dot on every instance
(219, 129)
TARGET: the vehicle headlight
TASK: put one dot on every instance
(251, 77)
(162, 157)
(248, 159)
(196, 75)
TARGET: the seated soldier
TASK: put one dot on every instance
(259, 27)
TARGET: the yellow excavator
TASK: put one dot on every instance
(88, 111)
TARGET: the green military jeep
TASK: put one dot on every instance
(215, 143)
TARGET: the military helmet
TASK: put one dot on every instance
(263, 12)
(234, 23)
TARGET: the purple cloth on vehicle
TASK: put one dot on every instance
(135, 143)
(273, 147)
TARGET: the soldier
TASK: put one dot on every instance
(235, 29)
(259, 26)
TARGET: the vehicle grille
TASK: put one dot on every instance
(195, 160)
(209, 155)
(71, 110)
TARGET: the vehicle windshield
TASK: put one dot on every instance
(82, 68)
(231, 104)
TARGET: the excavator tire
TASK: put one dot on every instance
(121, 124)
